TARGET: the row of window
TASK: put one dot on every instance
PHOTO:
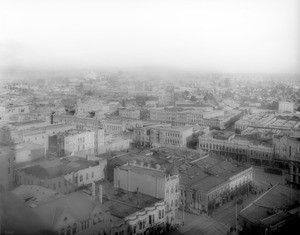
(232, 149)
(172, 189)
(86, 176)
(172, 135)
(171, 141)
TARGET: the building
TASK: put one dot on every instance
(9, 111)
(63, 175)
(287, 152)
(272, 121)
(130, 113)
(7, 167)
(80, 142)
(240, 148)
(36, 132)
(163, 135)
(13, 155)
(211, 182)
(18, 218)
(79, 122)
(136, 176)
(135, 212)
(274, 212)
(285, 106)
(286, 145)
(75, 213)
(179, 116)
(118, 125)
(114, 143)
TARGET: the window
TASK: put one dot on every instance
(159, 214)
(163, 213)
(87, 176)
(54, 186)
(81, 178)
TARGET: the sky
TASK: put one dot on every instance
(221, 35)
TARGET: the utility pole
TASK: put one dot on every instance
(183, 206)
(236, 216)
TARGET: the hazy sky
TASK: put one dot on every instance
(226, 35)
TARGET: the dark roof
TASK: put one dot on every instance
(58, 167)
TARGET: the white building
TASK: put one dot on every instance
(150, 180)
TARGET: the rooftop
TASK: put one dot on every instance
(24, 123)
(78, 204)
(58, 167)
(143, 170)
(122, 203)
(19, 218)
(273, 206)
(34, 195)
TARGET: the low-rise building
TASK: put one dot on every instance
(114, 143)
(37, 132)
(79, 122)
(179, 116)
(6, 169)
(150, 180)
(8, 111)
(118, 125)
(274, 212)
(63, 175)
(135, 212)
(75, 213)
(238, 147)
(273, 121)
(163, 135)
(212, 182)
(130, 113)
(77, 140)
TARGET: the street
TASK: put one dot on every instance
(225, 217)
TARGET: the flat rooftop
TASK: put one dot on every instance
(209, 172)
(273, 206)
(144, 171)
(58, 167)
(122, 203)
